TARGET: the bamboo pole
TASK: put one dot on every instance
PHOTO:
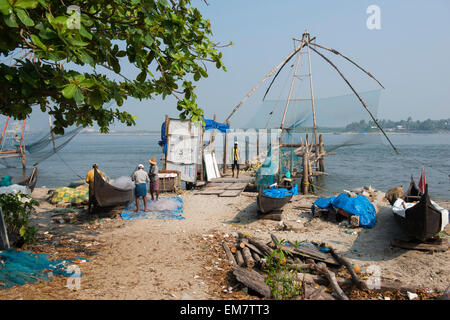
(340, 54)
(360, 99)
(292, 85)
(281, 65)
(312, 92)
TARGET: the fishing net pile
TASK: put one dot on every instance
(21, 267)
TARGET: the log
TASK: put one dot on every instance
(228, 253)
(254, 249)
(271, 216)
(317, 293)
(323, 270)
(265, 249)
(252, 280)
(300, 267)
(356, 281)
(248, 259)
(256, 257)
(239, 258)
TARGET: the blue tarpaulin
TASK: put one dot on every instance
(165, 208)
(359, 206)
(162, 142)
(281, 192)
(211, 124)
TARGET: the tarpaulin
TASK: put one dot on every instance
(281, 192)
(211, 124)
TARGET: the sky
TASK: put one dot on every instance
(409, 54)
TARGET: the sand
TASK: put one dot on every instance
(182, 259)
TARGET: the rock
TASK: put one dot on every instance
(412, 296)
(63, 204)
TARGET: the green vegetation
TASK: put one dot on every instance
(166, 43)
(284, 283)
(17, 209)
(401, 126)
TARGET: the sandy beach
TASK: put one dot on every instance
(183, 259)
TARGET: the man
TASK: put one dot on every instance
(235, 158)
(90, 180)
(140, 179)
(154, 178)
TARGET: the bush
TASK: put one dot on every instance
(17, 208)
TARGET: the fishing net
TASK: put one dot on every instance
(38, 141)
(21, 267)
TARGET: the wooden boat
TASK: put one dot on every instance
(30, 182)
(107, 195)
(268, 204)
(422, 221)
(413, 193)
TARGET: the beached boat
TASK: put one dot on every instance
(422, 220)
(107, 195)
(30, 182)
(413, 193)
(268, 204)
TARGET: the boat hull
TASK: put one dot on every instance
(107, 195)
(30, 182)
(422, 221)
(268, 204)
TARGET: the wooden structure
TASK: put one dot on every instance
(107, 195)
(312, 152)
(30, 182)
(19, 150)
(169, 180)
(268, 204)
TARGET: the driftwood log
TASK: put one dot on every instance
(356, 281)
(228, 253)
(252, 280)
(239, 258)
(248, 259)
(323, 270)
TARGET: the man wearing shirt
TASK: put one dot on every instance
(154, 178)
(140, 178)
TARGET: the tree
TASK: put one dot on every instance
(167, 42)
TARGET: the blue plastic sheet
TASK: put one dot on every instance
(162, 142)
(21, 267)
(281, 192)
(359, 206)
(211, 125)
(170, 208)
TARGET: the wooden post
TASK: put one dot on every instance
(4, 242)
(246, 153)
(305, 177)
(225, 147)
(322, 154)
(306, 35)
(257, 144)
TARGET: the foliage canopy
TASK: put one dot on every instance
(167, 42)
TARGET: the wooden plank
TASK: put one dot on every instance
(209, 192)
(230, 193)
(237, 186)
(441, 246)
(252, 280)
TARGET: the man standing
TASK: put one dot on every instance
(154, 178)
(235, 157)
(90, 180)
(140, 179)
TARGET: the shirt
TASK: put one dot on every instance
(140, 176)
(153, 172)
(235, 154)
(90, 179)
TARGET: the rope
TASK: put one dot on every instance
(68, 166)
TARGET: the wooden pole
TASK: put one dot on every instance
(360, 99)
(292, 85)
(306, 35)
(225, 147)
(264, 79)
(322, 154)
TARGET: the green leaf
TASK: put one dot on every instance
(5, 8)
(141, 76)
(26, 4)
(78, 96)
(85, 33)
(23, 16)
(10, 21)
(38, 42)
(69, 91)
(22, 231)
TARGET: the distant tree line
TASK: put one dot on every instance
(401, 126)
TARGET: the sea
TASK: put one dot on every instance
(353, 163)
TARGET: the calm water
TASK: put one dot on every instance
(372, 163)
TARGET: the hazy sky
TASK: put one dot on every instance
(409, 55)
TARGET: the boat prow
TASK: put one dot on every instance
(107, 195)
